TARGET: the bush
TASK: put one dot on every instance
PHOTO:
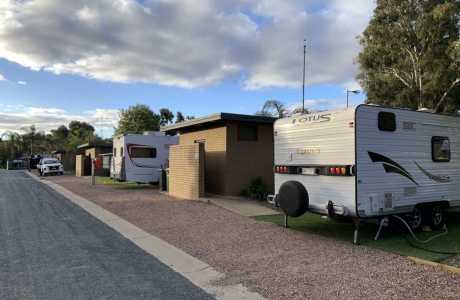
(256, 189)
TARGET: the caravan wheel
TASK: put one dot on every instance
(416, 218)
(437, 217)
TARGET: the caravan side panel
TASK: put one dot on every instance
(147, 169)
(324, 139)
(395, 169)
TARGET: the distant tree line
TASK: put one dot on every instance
(140, 118)
(135, 119)
(15, 145)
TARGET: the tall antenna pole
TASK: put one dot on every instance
(303, 83)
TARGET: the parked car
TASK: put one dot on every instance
(50, 166)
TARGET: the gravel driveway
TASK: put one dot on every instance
(278, 263)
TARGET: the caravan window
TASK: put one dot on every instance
(121, 151)
(387, 121)
(114, 152)
(440, 149)
(138, 152)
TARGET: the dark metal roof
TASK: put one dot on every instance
(216, 118)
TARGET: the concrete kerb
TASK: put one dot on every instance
(445, 267)
(195, 270)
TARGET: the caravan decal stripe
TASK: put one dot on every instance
(390, 166)
(441, 179)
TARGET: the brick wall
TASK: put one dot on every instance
(215, 147)
(186, 171)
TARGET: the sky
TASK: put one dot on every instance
(85, 59)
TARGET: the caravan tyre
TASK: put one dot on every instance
(437, 217)
(416, 218)
(293, 198)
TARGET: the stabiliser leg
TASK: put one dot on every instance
(286, 225)
(356, 232)
(383, 222)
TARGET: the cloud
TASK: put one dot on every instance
(179, 43)
(22, 82)
(318, 104)
(2, 78)
(16, 117)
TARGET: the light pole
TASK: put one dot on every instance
(351, 91)
(303, 82)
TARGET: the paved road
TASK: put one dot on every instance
(52, 249)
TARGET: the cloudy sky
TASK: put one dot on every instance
(86, 59)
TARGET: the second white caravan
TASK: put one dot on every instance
(140, 157)
(369, 162)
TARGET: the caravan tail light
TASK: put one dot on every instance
(338, 171)
(283, 169)
(316, 170)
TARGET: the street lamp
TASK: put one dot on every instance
(352, 91)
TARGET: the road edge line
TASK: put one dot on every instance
(196, 271)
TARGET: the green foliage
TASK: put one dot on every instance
(137, 119)
(411, 55)
(257, 189)
(179, 117)
(166, 116)
(79, 133)
(59, 137)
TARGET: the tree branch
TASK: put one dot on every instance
(398, 76)
(444, 96)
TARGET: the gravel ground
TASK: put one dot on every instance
(278, 263)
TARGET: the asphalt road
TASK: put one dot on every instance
(52, 249)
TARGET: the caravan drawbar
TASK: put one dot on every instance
(369, 162)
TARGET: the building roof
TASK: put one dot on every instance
(216, 118)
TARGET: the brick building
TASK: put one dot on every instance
(237, 149)
(85, 153)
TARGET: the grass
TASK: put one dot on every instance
(392, 239)
(127, 185)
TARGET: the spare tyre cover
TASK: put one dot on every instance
(293, 198)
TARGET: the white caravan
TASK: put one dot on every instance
(140, 157)
(369, 162)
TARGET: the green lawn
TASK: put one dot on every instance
(124, 185)
(392, 239)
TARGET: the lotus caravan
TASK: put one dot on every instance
(369, 162)
(140, 157)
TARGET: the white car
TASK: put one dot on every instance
(50, 166)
